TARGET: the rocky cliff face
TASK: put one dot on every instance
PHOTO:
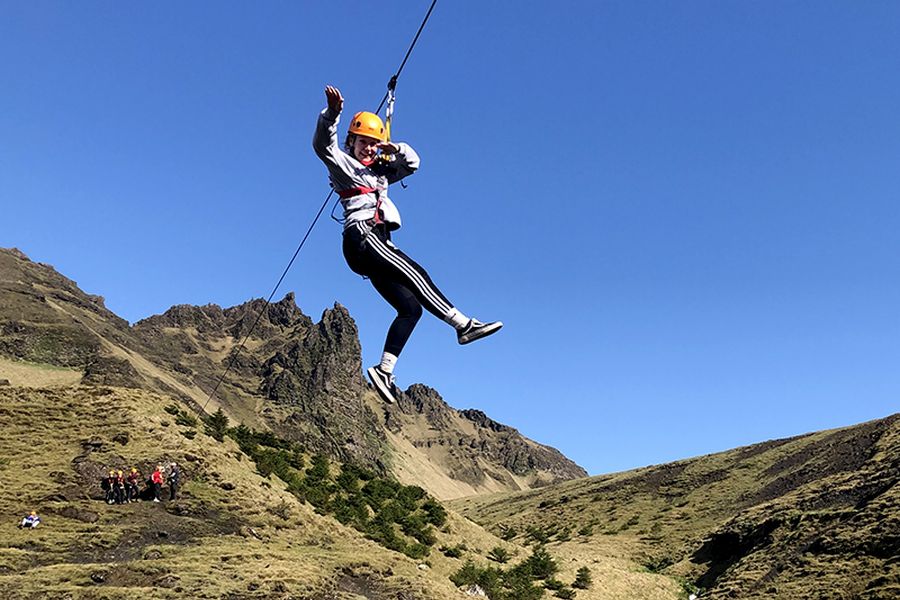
(315, 383)
(297, 377)
(474, 447)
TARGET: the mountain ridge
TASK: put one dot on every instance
(300, 378)
(812, 516)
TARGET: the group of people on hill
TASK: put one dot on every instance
(122, 488)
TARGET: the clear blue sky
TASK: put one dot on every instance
(686, 213)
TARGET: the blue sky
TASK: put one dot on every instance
(685, 213)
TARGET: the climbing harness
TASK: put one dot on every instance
(389, 96)
(384, 162)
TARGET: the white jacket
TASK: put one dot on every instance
(348, 174)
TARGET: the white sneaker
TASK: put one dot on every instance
(384, 383)
(475, 330)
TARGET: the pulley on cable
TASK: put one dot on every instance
(383, 161)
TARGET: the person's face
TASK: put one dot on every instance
(365, 148)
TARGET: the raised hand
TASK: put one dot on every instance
(335, 100)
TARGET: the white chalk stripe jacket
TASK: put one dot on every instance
(348, 174)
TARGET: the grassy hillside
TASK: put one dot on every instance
(232, 533)
(809, 517)
(815, 516)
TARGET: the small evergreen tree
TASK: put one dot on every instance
(453, 551)
(318, 471)
(434, 512)
(217, 425)
(498, 554)
(554, 584)
(540, 564)
(582, 579)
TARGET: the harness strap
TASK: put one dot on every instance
(355, 191)
(359, 191)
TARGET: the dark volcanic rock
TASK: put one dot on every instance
(482, 420)
(324, 361)
(107, 370)
(423, 400)
(319, 378)
(500, 444)
(79, 514)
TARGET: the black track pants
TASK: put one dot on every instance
(398, 278)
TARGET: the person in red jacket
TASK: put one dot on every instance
(157, 480)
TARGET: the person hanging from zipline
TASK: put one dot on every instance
(360, 174)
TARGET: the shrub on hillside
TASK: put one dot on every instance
(538, 535)
(582, 579)
(453, 551)
(416, 550)
(216, 425)
(516, 583)
(434, 512)
(554, 584)
(540, 564)
(499, 554)
(489, 579)
(398, 517)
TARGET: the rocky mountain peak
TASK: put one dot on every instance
(482, 420)
(423, 400)
(301, 379)
(208, 319)
(18, 254)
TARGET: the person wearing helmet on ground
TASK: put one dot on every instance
(109, 485)
(131, 485)
(174, 480)
(120, 487)
(156, 480)
(360, 174)
(31, 521)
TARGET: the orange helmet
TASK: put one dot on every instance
(369, 125)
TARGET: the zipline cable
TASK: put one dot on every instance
(268, 302)
(391, 85)
(393, 81)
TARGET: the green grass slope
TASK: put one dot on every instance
(232, 534)
(816, 516)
